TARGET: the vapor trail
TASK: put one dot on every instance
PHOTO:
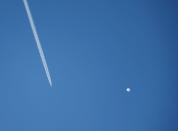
(37, 41)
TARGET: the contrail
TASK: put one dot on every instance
(37, 41)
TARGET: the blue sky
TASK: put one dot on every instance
(95, 49)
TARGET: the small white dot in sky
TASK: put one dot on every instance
(128, 89)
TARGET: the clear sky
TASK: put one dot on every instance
(95, 50)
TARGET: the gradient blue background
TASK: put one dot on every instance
(95, 49)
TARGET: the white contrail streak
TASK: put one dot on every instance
(37, 41)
